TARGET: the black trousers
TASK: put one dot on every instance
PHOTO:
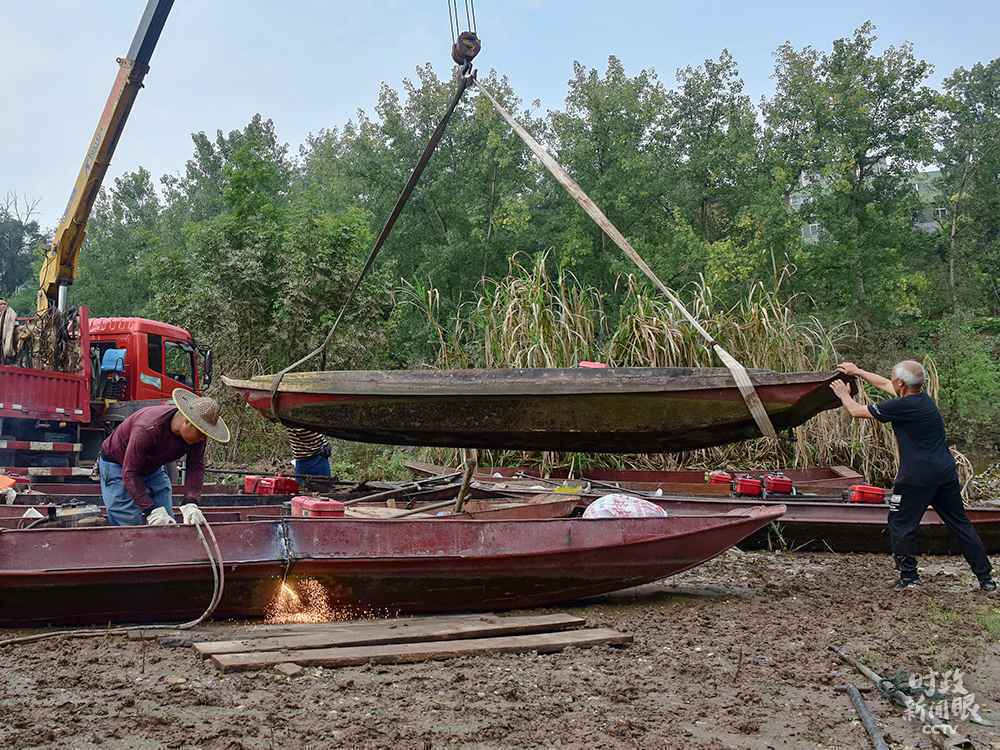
(904, 526)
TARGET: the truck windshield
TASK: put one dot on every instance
(180, 362)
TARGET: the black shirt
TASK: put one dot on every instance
(924, 458)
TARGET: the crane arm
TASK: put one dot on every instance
(59, 265)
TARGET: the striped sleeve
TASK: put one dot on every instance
(305, 443)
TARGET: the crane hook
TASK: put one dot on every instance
(465, 48)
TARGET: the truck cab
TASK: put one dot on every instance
(136, 359)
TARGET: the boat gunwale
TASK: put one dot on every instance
(522, 382)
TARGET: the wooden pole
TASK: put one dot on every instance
(402, 489)
(432, 506)
(470, 468)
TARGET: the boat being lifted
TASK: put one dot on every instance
(610, 410)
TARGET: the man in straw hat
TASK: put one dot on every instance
(134, 483)
(927, 474)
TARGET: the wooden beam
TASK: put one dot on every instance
(408, 653)
(266, 631)
(377, 633)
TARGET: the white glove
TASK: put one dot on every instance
(159, 517)
(191, 513)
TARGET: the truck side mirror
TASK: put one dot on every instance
(206, 374)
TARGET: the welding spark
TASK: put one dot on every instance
(307, 601)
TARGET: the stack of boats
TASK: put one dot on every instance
(519, 541)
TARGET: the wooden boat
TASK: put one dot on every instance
(114, 574)
(815, 480)
(842, 527)
(618, 410)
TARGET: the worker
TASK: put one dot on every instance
(927, 473)
(134, 483)
(310, 451)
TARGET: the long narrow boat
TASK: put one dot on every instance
(139, 574)
(832, 479)
(842, 527)
(618, 410)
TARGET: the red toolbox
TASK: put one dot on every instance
(258, 485)
(778, 484)
(748, 486)
(720, 477)
(317, 507)
(865, 493)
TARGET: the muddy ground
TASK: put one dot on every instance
(729, 655)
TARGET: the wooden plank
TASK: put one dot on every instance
(399, 632)
(265, 631)
(846, 471)
(429, 469)
(408, 653)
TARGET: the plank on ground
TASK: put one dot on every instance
(405, 653)
(399, 632)
(262, 630)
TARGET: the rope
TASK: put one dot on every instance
(215, 561)
(738, 371)
(465, 80)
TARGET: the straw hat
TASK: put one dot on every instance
(203, 413)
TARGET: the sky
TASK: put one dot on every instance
(309, 65)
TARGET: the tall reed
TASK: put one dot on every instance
(534, 318)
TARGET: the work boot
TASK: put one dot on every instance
(989, 586)
(903, 584)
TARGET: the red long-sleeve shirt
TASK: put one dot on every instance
(143, 443)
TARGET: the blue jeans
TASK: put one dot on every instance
(122, 508)
(317, 466)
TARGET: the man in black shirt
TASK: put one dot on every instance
(927, 474)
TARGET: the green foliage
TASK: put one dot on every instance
(20, 242)
(121, 236)
(968, 365)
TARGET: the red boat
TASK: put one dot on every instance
(842, 527)
(135, 574)
(818, 480)
(616, 410)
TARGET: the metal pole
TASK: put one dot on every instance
(63, 297)
(898, 696)
(867, 720)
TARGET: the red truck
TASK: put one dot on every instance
(49, 420)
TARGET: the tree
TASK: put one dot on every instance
(20, 239)
(607, 139)
(848, 128)
(712, 130)
(122, 234)
(969, 155)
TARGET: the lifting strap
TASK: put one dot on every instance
(466, 78)
(737, 370)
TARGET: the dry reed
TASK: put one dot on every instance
(533, 318)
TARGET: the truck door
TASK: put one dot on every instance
(178, 359)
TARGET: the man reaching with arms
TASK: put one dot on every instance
(927, 473)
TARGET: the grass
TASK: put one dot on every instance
(989, 618)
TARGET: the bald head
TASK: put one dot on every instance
(911, 373)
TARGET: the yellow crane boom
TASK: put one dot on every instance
(59, 265)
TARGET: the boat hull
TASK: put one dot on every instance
(616, 410)
(843, 527)
(375, 567)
